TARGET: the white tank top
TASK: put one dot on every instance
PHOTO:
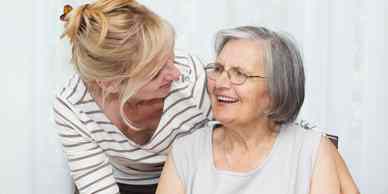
(287, 169)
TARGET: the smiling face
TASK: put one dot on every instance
(245, 103)
(160, 84)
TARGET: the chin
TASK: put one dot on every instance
(223, 117)
(164, 94)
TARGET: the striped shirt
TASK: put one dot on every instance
(100, 155)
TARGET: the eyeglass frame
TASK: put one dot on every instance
(246, 76)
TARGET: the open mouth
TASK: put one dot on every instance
(167, 85)
(226, 99)
(149, 102)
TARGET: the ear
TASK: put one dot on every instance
(268, 103)
(109, 86)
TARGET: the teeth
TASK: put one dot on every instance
(226, 99)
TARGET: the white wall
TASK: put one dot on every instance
(16, 103)
(50, 172)
(374, 113)
(31, 160)
(344, 44)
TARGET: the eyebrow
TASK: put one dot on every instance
(239, 68)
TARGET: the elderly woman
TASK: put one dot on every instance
(256, 87)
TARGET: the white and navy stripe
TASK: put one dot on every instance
(100, 155)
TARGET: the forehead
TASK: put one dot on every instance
(245, 54)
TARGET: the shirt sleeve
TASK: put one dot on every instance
(89, 166)
(192, 70)
(204, 103)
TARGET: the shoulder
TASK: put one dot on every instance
(73, 91)
(306, 141)
(68, 101)
(190, 66)
(191, 146)
(188, 60)
(191, 87)
(192, 141)
(304, 135)
(63, 105)
(187, 151)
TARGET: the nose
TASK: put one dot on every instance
(172, 72)
(223, 80)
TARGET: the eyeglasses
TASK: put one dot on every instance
(235, 75)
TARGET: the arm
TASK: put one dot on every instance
(346, 181)
(325, 177)
(169, 181)
(90, 168)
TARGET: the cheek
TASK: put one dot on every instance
(150, 86)
(262, 100)
(210, 86)
(146, 91)
(265, 95)
(259, 99)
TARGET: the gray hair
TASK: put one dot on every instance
(283, 68)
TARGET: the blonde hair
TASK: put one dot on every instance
(117, 39)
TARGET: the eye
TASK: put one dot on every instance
(218, 68)
(156, 76)
(237, 73)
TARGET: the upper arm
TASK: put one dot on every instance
(89, 166)
(325, 177)
(346, 181)
(169, 181)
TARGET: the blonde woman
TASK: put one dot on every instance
(109, 114)
(130, 98)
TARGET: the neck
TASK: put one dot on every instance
(111, 109)
(249, 135)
